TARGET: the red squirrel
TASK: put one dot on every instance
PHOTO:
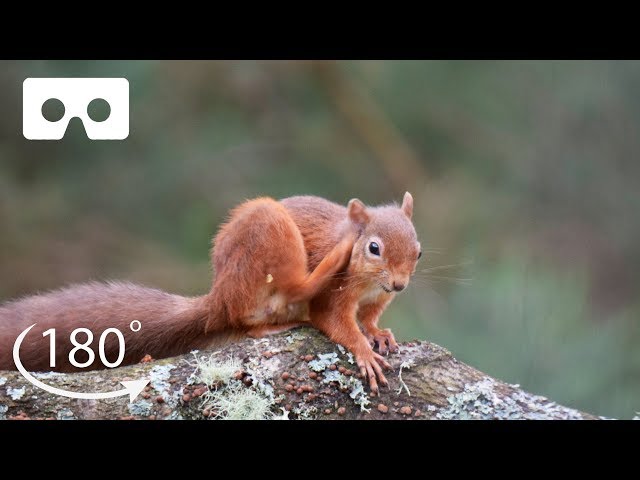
(383, 258)
(277, 265)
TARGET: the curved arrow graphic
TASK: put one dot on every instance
(132, 388)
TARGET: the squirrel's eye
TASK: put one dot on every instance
(419, 254)
(374, 248)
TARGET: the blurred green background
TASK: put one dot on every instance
(525, 177)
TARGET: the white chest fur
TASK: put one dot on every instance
(372, 294)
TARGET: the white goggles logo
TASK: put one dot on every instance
(75, 94)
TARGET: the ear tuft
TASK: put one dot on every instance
(407, 205)
(357, 212)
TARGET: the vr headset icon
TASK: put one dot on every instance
(75, 94)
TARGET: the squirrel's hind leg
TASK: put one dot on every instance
(261, 267)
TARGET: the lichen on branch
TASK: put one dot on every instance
(294, 375)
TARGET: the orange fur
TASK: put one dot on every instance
(261, 269)
(277, 265)
(262, 285)
(366, 286)
(171, 324)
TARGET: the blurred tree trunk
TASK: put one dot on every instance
(398, 159)
(427, 383)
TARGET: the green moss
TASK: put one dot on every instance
(212, 372)
(228, 398)
(237, 402)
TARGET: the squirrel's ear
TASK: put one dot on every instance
(407, 205)
(357, 212)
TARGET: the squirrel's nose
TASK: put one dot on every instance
(398, 287)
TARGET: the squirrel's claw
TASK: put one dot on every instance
(371, 368)
(383, 341)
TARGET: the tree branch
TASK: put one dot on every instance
(427, 383)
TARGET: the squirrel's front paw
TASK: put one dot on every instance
(371, 364)
(384, 341)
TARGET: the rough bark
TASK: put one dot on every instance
(436, 386)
